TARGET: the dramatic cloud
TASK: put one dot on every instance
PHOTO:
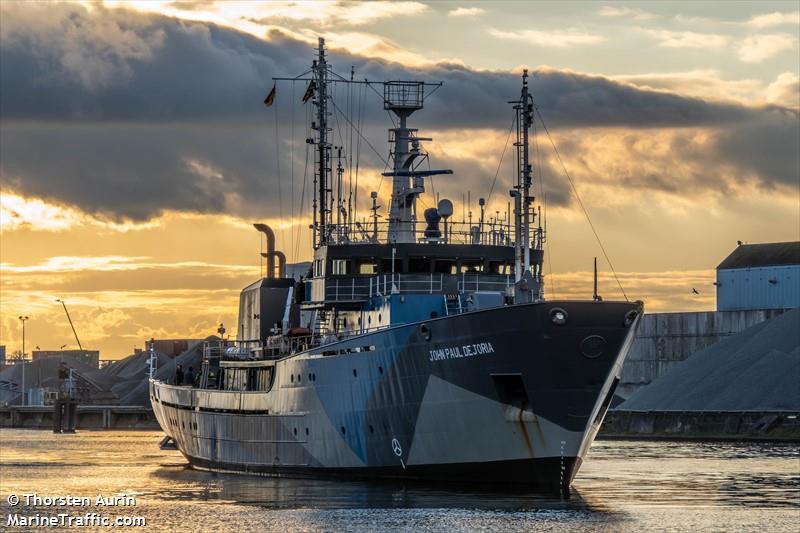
(320, 12)
(710, 85)
(785, 90)
(627, 12)
(466, 12)
(689, 39)
(554, 38)
(776, 18)
(182, 127)
(757, 48)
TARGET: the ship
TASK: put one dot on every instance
(410, 349)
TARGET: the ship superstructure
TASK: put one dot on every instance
(413, 348)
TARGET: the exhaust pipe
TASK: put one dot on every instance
(270, 253)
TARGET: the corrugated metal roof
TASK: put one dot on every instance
(765, 254)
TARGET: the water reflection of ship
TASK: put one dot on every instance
(404, 353)
(320, 494)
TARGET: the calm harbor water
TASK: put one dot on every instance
(623, 486)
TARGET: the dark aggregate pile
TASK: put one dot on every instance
(123, 382)
(757, 369)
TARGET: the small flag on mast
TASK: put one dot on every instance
(309, 92)
(268, 101)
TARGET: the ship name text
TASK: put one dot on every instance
(465, 350)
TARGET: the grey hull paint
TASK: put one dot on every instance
(426, 401)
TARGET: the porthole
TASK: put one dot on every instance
(380, 318)
(343, 430)
(558, 316)
(298, 378)
(306, 431)
(380, 370)
(425, 331)
(355, 373)
(295, 431)
(310, 378)
(630, 317)
(369, 320)
(371, 429)
(291, 378)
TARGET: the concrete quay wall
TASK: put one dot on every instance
(702, 425)
(88, 417)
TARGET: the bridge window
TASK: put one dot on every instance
(444, 266)
(386, 266)
(319, 267)
(419, 265)
(367, 267)
(472, 265)
(340, 267)
(499, 267)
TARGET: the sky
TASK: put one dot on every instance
(136, 152)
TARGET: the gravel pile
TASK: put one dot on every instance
(757, 369)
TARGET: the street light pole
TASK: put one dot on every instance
(23, 319)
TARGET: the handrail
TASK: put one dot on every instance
(491, 232)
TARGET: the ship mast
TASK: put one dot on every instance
(522, 190)
(322, 154)
(403, 98)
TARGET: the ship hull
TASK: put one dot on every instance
(502, 395)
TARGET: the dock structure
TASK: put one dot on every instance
(91, 417)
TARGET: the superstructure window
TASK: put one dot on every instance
(386, 266)
(419, 265)
(367, 266)
(340, 267)
(444, 266)
(248, 379)
(319, 267)
(472, 265)
(499, 267)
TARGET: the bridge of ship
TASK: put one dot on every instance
(369, 285)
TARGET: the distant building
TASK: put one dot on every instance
(89, 357)
(2, 354)
(760, 276)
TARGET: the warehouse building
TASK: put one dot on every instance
(755, 283)
(760, 276)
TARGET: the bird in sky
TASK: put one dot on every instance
(695, 291)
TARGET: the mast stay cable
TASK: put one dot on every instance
(502, 155)
(580, 202)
